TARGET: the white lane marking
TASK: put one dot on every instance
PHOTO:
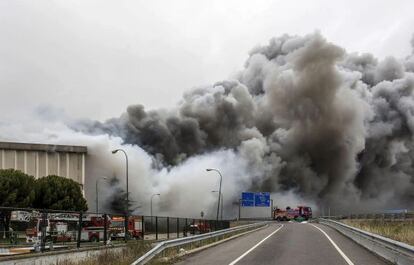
(335, 245)
(255, 246)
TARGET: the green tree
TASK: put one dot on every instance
(59, 193)
(16, 190)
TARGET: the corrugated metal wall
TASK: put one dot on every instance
(42, 163)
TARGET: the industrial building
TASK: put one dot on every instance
(41, 160)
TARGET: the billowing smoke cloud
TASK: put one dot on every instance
(303, 120)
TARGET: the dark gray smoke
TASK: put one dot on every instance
(334, 128)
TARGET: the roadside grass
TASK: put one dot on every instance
(123, 257)
(400, 230)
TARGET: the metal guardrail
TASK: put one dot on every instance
(186, 240)
(394, 251)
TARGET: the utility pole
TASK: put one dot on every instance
(219, 194)
(127, 192)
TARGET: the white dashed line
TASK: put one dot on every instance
(255, 246)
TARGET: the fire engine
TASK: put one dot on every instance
(301, 212)
(117, 228)
(62, 227)
(198, 228)
(93, 229)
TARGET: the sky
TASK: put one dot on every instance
(91, 59)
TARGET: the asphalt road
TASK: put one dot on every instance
(287, 244)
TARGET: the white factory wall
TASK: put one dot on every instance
(42, 163)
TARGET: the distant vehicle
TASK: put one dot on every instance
(62, 228)
(301, 212)
(93, 229)
(56, 230)
(117, 227)
(198, 228)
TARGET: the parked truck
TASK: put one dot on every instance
(117, 227)
(63, 228)
(199, 227)
(299, 213)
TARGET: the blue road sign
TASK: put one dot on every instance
(247, 196)
(262, 199)
(255, 199)
(247, 203)
(247, 199)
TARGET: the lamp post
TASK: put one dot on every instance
(152, 196)
(127, 192)
(219, 193)
(222, 200)
(97, 197)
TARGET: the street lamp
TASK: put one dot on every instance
(152, 196)
(219, 194)
(127, 192)
(222, 200)
(97, 198)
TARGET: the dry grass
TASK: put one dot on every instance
(124, 257)
(402, 231)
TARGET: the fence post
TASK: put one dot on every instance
(43, 229)
(185, 228)
(79, 230)
(126, 227)
(156, 227)
(178, 227)
(168, 227)
(105, 229)
(192, 231)
(143, 227)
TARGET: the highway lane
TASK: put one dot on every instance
(292, 244)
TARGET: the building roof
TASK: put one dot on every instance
(43, 147)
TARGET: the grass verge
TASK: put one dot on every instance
(122, 257)
(402, 231)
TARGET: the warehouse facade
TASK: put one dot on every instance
(41, 160)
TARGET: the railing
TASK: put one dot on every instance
(38, 230)
(160, 247)
(391, 250)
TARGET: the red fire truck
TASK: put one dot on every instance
(199, 227)
(63, 228)
(117, 227)
(301, 212)
(93, 229)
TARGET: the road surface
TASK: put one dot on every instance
(288, 244)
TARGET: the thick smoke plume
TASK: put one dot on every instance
(304, 120)
(335, 128)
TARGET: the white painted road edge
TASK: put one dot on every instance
(255, 246)
(335, 245)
